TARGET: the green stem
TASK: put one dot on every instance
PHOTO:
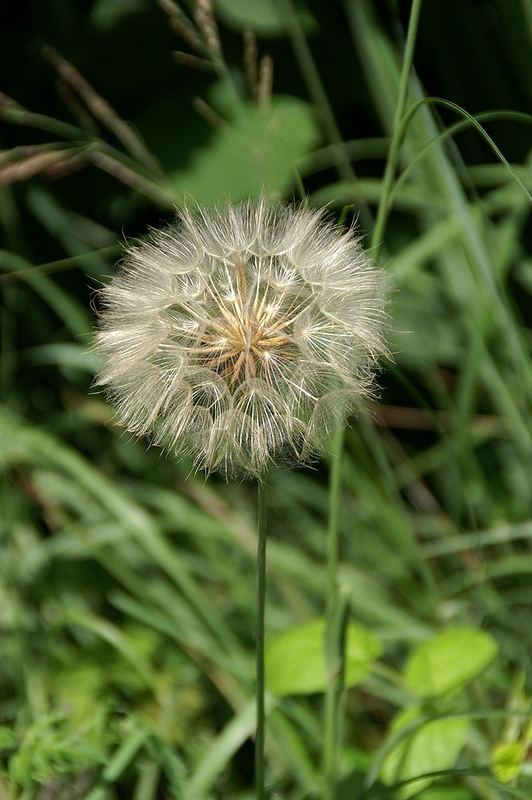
(336, 622)
(148, 781)
(319, 97)
(333, 536)
(335, 650)
(261, 600)
(395, 144)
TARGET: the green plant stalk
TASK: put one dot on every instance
(333, 535)
(395, 144)
(259, 646)
(334, 630)
(148, 781)
(317, 92)
(319, 97)
(337, 611)
(335, 654)
(334, 640)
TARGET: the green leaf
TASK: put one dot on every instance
(65, 355)
(257, 150)
(108, 14)
(432, 747)
(448, 661)
(265, 17)
(72, 313)
(507, 760)
(446, 793)
(295, 661)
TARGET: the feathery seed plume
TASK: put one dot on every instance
(241, 336)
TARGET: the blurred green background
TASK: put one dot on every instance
(127, 585)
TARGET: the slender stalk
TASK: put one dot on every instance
(319, 97)
(335, 625)
(148, 781)
(335, 659)
(395, 144)
(333, 536)
(338, 601)
(102, 110)
(334, 642)
(261, 601)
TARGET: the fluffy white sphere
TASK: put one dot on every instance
(241, 336)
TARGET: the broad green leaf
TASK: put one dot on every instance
(295, 661)
(265, 17)
(446, 793)
(433, 746)
(257, 150)
(507, 760)
(108, 14)
(448, 661)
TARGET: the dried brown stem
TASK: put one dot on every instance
(181, 25)
(208, 113)
(31, 166)
(101, 109)
(26, 151)
(15, 113)
(251, 62)
(195, 62)
(206, 22)
(131, 178)
(265, 86)
(406, 418)
(66, 167)
(78, 111)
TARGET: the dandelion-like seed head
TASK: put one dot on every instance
(242, 336)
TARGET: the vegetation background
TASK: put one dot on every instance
(127, 586)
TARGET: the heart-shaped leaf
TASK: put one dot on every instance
(448, 661)
(295, 662)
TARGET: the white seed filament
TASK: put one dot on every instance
(241, 337)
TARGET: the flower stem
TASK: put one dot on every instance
(333, 536)
(335, 627)
(316, 90)
(395, 144)
(261, 601)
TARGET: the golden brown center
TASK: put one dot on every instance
(251, 326)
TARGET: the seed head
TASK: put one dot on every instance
(241, 336)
